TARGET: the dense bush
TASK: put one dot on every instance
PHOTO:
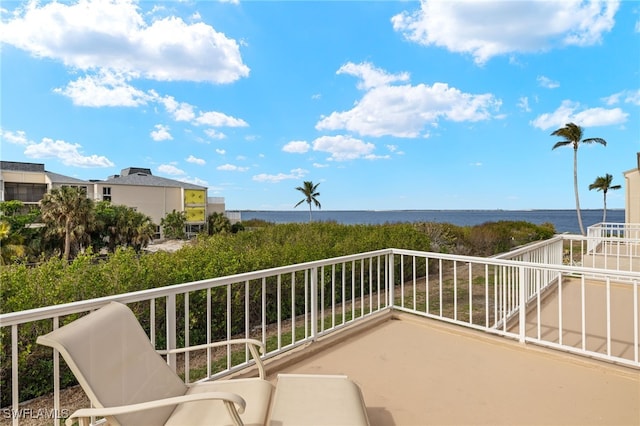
(264, 246)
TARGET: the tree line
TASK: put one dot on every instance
(67, 222)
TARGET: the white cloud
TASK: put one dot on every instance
(294, 174)
(161, 133)
(343, 148)
(19, 137)
(546, 82)
(113, 34)
(194, 180)
(486, 29)
(109, 89)
(214, 134)
(104, 89)
(169, 169)
(220, 151)
(394, 149)
(297, 147)
(69, 154)
(194, 160)
(572, 112)
(232, 168)
(181, 111)
(404, 111)
(523, 104)
(626, 96)
(371, 76)
(218, 119)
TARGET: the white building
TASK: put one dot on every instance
(134, 187)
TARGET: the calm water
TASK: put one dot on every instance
(563, 220)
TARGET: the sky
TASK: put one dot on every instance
(388, 105)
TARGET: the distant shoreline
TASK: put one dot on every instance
(564, 220)
(428, 210)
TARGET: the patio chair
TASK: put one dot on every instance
(130, 383)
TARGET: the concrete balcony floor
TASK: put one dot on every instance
(415, 371)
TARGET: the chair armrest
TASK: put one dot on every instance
(253, 344)
(230, 400)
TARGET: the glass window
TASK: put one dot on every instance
(25, 192)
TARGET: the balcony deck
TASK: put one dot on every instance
(415, 371)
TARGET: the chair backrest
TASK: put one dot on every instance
(114, 362)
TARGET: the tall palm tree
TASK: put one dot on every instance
(603, 183)
(310, 193)
(572, 134)
(69, 213)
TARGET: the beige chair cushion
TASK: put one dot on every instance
(313, 400)
(256, 393)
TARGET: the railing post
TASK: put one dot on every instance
(170, 311)
(522, 319)
(314, 303)
(390, 281)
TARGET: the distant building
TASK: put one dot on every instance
(134, 187)
(632, 196)
(28, 182)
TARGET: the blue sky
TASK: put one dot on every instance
(388, 105)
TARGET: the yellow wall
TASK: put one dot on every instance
(195, 201)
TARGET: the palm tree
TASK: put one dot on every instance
(603, 183)
(144, 231)
(173, 225)
(218, 223)
(310, 194)
(69, 213)
(572, 134)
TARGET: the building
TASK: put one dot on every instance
(155, 196)
(632, 194)
(134, 187)
(28, 182)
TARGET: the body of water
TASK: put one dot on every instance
(563, 220)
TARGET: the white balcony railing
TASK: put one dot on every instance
(530, 294)
(614, 239)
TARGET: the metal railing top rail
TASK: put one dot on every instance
(530, 247)
(19, 317)
(579, 270)
(615, 225)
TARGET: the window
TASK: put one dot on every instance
(25, 192)
(80, 187)
(106, 193)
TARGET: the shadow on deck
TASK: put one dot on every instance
(593, 337)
